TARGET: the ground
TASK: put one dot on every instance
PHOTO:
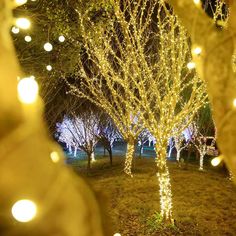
(204, 203)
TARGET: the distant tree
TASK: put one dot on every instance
(81, 131)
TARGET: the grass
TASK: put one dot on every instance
(204, 203)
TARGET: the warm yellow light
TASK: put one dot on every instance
(15, 30)
(28, 38)
(55, 156)
(197, 50)
(61, 38)
(48, 47)
(49, 67)
(24, 210)
(20, 2)
(191, 65)
(23, 23)
(27, 90)
(217, 160)
(117, 234)
(234, 102)
(197, 2)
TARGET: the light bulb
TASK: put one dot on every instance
(61, 38)
(49, 67)
(48, 47)
(217, 160)
(197, 50)
(23, 23)
(28, 38)
(20, 2)
(27, 90)
(234, 102)
(15, 30)
(197, 2)
(54, 156)
(24, 210)
(191, 65)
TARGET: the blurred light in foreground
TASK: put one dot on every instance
(217, 160)
(61, 38)
(28, 38)
(48, 47)
(15, 30)
(49, 67)
(20, 2)
(117, 234)
(23, 23)
(191, 65)
(197, 2)
(54, 156)
(24, 210)
(197, 50)
(234, 102)
(27, 90)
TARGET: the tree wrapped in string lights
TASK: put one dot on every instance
(141, 66)
(216, 65)
(81, 131)
(34, 181)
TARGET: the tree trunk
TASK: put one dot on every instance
(178, 156)
(70, 150)
(110, 155)
(201, 161)
(129, 156)
(104, 151)
(75, 151)
(89, 161)
(164, 184)
(141, 150)
(93, 157)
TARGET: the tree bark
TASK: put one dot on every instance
(129, 156)
(165, 186)
(110, 155)
(201, 159)
(89, 161)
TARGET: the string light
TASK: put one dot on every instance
(28, 38)
(234, 102)
(61, 38)
(49, 67)
(48, 47)
(197, 50)
(23, 23)
(15, 30)
(20, 2)
(55, 157)
(217, 160)
(24, 210)
(191, 65)
(27, 90)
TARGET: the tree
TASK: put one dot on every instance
(81, 132)
(214, 65)
(141, 60)
(108, 135)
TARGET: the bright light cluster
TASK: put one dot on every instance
(55, 157)
(27, 90)
(28, 38)
(49, 67)
(197, 50)
(48, 47)
(20, 2)
(217, 160)
(24, 210)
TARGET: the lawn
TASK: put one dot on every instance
(204, 203)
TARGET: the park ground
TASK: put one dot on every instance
(204, 203)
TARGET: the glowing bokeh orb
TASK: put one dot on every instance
(197, 50)
(15, 30)
(234, 102)
(191, 65)
(117, 234)
(24, 210)
(28, 38)
(49, 67)
(20, 2)
(217, 160)
(61, 38)
(27, 90)
(54, 157)
(197, 2)
(23, 23)
(48, 47)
